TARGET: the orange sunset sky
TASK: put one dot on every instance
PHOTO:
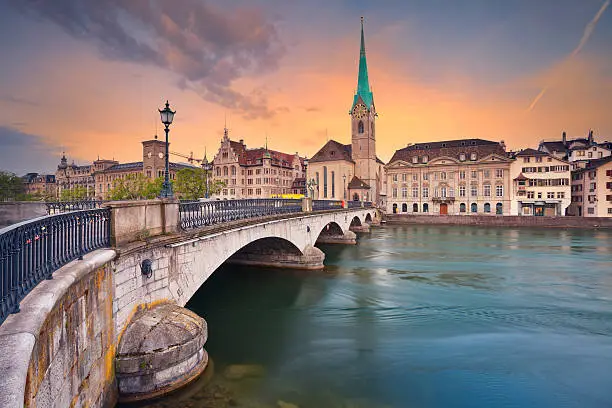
(89, 79)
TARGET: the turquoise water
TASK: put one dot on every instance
(417, 316)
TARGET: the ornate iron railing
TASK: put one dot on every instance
(32, 250)
(203, 213)
(60, 207)
(354, 204)
(320, 205)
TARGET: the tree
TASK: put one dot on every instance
(191, 183)
(74, 194)
(11, 187)
(135, 187)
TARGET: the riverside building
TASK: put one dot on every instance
(592, 189)
(257, 173)
(540, 184)
(455, 177)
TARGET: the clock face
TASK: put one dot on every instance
(161, 155)
(359, 111)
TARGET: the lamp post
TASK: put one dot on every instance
(167, 115)
(344, 180)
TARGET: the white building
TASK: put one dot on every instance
(540, 184)
(454, 177)
(592, 189)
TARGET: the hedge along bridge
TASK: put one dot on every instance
(91, 300)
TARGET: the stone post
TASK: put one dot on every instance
(307, 204)
(139, 220)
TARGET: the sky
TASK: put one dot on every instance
(87, 77)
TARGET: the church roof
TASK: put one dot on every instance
(357, 183)
(363, 84)
(331, 151)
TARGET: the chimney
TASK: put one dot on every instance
(564, 138)
(241, 141)
(590, 137)
(503, 145)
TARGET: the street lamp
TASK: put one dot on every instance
(166, 118)
(344, 179)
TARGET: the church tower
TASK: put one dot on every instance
(363, 129)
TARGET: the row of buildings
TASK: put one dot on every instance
(462, 177)
(569, 176)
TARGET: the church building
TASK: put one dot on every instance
(352, 171)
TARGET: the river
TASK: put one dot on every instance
(415, 316)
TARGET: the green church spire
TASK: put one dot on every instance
(363, 84)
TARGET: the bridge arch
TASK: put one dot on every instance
(368, 218)
(356, 222)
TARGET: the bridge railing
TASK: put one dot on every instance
(60, 207)
(203, 213)
(320, 205)
(32, 250)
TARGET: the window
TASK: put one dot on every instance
(487, 173)
(590, 210)
(404, 207)
(258, 191)
(404, 192)
(461, 191)
(525, 159)
(487, 208)
(539, 195)
(487, 190)
(425, 176)
(474, 174)
(415, 160)
(404, 177)
(395, 177)
(462, 174)
(609, 210)
(499, 191)
(560, 194)
(317, 181)
(443, 192)
(394, 192)
(233, 171)
(425, 158)
(415, 192)
(425, 207)
(473, 156)
(474, 191)
(462, 207)
(499, 173)
(474, 208)
(425, 193)
(333, 186)
(550, 194)
(538, 159)
(462, 156)
(530, 194)
(443, 175)
(499, 209)
(415, 177)
(415, 207)
(360, 127)
(324, 181)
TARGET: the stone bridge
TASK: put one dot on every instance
(105, 327)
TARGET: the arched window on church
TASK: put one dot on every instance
(360, 127)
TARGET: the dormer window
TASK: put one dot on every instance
(473, 156)
(462, 156)
(415, 159)
(443, 144)
(473, 143)
(425, 158)
(462, 143)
